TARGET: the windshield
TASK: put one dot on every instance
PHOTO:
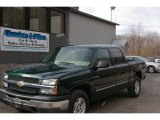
(71, 56)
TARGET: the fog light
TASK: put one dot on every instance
(51, 91)
(46, 91)
(5, 84)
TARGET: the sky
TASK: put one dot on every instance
(128, 12)
(146, 17)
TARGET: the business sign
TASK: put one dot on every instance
(23, 40)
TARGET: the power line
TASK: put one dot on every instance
(139, 25)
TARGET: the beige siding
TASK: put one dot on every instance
(86, 30)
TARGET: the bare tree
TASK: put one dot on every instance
(141, 42)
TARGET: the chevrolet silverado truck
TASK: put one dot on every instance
(70, 78)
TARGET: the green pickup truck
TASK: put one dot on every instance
(70, 78)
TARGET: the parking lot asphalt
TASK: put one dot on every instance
(147, 102)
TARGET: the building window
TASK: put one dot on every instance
(57, 22)
(13, 17)
(37, 19)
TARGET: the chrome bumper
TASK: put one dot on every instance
(34, 106)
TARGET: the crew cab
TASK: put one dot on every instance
(70, 78)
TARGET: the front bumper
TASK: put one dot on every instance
(34, 105)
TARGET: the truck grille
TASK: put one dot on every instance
(25, 89)
(25, 79)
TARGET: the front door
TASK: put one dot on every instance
(104, 80)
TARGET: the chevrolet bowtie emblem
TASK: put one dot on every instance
(20, 84)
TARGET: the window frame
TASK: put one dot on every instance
(23, 16)
(26, 18)
(64, 23)
(45, 23)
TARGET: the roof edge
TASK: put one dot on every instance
(92, 16)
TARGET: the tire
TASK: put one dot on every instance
(135, 89)
(79, 102)
(151, 69)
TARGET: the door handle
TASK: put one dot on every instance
(95, 77)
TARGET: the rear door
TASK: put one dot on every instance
(121, 68)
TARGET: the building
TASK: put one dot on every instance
(29, 33)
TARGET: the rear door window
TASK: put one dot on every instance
(130, 58)
(117, 56)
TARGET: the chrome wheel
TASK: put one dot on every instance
(151, 69)
(79, 106)
(137, 87)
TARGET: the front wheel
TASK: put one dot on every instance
(79, 102)
(135, 89)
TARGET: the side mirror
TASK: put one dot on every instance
(102, 63)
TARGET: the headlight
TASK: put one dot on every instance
(5, 76)
(4, 83)
(49, 82)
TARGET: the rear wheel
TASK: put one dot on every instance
(135, 89)
(151, 69)
(79, 102)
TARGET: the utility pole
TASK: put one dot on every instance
(112, 8)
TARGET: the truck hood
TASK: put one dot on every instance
(45, 70)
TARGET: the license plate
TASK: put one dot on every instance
(2, 96)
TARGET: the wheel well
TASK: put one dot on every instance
(139, 74)
(150, 66)
(86, 88)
